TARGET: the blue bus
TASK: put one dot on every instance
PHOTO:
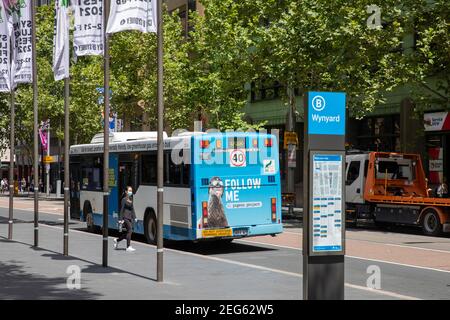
(216, 185)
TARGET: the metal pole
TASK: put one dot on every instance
(66, 166)
(290, 127)
(58, 190)
(35, 125)
(105, 134)
(160, 143)
(47, 165)
(11, 170)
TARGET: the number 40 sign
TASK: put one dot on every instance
(237, 158)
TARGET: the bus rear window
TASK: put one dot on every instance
(236, 143)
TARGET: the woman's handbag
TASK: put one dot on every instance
(120, 226)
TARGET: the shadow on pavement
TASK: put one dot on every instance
(202, 247)
(58, 256)
(214, 247)
(56, 223)
(15, 221)
(18, 284)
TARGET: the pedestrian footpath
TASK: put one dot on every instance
(27, 194)
(29, 273)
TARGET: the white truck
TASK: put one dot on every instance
(391, 188)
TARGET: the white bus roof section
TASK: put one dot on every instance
(127, 136)
(131, 143)
(189, 133)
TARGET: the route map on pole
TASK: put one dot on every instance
(327, 202)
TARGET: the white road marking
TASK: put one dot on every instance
(355, 257)
(387, 293)
(386, 243)
(269, 244)
(400, 264)
(253, 266)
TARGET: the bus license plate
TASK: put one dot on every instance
(217, 233)
(240, 232)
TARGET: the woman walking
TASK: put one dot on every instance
(126, 216)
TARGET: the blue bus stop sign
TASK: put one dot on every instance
(326, 113)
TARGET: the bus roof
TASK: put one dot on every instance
(127, 136)
(147, 141)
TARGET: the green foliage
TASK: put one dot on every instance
(308, 44)
(430, 57)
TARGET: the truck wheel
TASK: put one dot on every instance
(431, 223)
(150, 229)
(382, 224)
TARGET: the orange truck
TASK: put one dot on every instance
(391, 188)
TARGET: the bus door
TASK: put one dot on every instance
(75, 186)
(128, 174)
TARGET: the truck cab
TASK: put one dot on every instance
(355, 173)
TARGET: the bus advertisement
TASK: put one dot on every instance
(216, 185)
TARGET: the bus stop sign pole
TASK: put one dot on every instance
(324, 196)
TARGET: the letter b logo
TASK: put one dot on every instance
(318, 103)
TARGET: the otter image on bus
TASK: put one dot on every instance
(219, 186)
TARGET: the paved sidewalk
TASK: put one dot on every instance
(42, 196)
(28, 273)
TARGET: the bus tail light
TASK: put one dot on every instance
(274, 209)
(255, 143)
(205, 214)
(268, 142)
(204, 144)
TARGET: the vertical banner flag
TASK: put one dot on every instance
(137, 15)
(43, 134)
(61, 53)
(5, 49)
(88, 31)
(19, 12)
(44, 140)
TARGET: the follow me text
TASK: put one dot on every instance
(233, 186)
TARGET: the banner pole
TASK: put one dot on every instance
(11, 168)
(35, 124)
(66, 166)
(160, 143)
(106, 5)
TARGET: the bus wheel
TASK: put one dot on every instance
(150, 228)
(431, 223)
